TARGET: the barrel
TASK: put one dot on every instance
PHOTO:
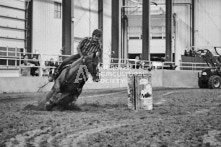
(140, 92)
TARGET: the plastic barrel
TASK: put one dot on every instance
(140, 92)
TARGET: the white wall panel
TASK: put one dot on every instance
(12, 43)
(182, 1)
(106, 32)
(13, 3)
(12, 33)
(208, 23)
(9, 11)
(156, 46)
(86, 17)
(182, 29)
(47, 30)
(12, 12)
(60, 1)
(135, 46)
(12, 23)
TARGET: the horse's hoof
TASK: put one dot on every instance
(49, 106)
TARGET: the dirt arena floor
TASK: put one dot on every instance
(100, 118)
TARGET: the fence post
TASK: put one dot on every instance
(16, 54)
(41, 64)
(7, 56)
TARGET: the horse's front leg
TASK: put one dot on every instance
(43, 104)
(53, 96)
(49, 95)
(49, 100)
(62, 100)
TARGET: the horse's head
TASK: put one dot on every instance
(92, 62)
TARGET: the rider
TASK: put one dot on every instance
(87, 46)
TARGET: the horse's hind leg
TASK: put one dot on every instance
(66, 100)
(61, 100)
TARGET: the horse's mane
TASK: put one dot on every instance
(72, 72)
(75, 66)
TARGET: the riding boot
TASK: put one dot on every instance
(54, 75)
(59, 69)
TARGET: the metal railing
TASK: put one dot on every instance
(15, 62)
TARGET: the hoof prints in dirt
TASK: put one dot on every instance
(41, 107)
(74, 107)
(34, 107)
(48, 137)
(180, 118)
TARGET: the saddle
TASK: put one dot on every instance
(58, 72)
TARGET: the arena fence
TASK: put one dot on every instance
(44, 64)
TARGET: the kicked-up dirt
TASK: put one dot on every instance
(101, 118)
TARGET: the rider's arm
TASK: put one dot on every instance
(79, 51)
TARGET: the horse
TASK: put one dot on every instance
(68, 85)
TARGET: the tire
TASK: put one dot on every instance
(214, 82)
(202, 84)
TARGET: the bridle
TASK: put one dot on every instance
(94, 63)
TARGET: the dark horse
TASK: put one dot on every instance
(68, 86)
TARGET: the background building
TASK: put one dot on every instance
(56, 26)
(13, 32)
